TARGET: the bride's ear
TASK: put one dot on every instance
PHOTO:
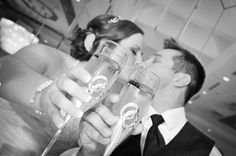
(88, 42)
(182, 79)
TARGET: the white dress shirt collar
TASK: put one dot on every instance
(172, 118)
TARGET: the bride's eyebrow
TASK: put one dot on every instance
(135, 49)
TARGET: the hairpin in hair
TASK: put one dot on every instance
(115, 19)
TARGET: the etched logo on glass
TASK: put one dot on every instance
(97, 85)
(129, 115)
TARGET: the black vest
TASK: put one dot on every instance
(188, 142)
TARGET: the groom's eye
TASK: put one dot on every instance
(156, 60)
(134, 51)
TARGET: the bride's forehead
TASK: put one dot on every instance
(133, 40)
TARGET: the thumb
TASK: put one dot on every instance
(87, 143)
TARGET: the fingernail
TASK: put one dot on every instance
(80, 113)
(114, 120)
(106, 141)
(107, 132)
(76, 102)
(63, 113)
(61, 125)
(87, 97)
(88, 78)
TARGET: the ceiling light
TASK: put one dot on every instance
(204, 92)
(190, 102)
(226, 79)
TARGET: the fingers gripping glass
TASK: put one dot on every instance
(104, 67)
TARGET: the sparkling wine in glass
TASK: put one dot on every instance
(136, 96)
(104, 66)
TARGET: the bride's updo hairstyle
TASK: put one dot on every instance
(103, 27)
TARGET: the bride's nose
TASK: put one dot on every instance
(138, 59)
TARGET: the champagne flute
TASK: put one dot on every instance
(104, 67)
(136, 96)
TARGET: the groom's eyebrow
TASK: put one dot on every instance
(157, 55)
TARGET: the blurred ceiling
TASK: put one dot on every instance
(206, 27)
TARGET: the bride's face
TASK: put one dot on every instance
(133, 44)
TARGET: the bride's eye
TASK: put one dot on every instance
(135, 50)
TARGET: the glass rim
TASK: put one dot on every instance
(144, 75)
(146, 70)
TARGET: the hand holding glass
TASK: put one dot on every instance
(104, 67)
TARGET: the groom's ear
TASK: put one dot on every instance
(88, 42)
(182, 80)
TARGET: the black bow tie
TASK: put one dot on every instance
(154, 141)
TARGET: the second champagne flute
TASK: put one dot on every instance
(136, 96)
